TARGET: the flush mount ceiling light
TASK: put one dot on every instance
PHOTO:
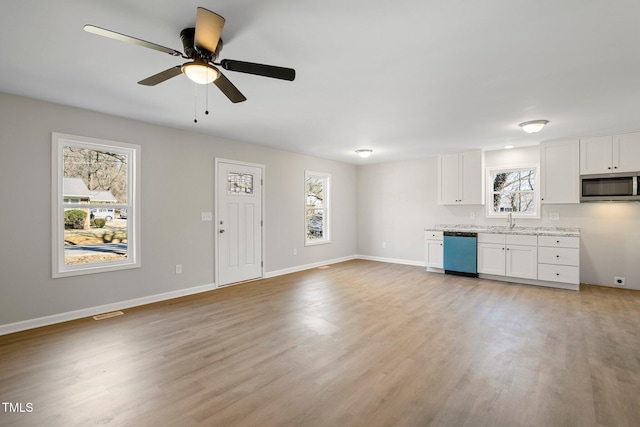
(509, 147)
(533, 126)
(364, 153)
(201, 72)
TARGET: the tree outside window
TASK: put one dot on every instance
(513, 191)
(95, 219)
(316, 208)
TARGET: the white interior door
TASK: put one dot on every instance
(238, 222)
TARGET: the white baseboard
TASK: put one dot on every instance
(308, 266)
(392, 260)
(92, 311)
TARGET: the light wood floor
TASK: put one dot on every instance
(358, 344)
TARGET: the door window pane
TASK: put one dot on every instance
(239, 183)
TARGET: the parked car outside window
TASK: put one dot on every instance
(107, 214)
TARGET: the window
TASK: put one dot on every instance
(239, 183)
(513, 190)
(95, 212)
(316, 220)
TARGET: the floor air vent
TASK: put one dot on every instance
(108, 315)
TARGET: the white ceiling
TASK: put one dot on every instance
(408, 78)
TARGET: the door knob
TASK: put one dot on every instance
(221, 231)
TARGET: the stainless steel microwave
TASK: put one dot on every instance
(609, 187)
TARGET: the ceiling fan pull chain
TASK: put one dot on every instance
(206, 111)
(195, 103)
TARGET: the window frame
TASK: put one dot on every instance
(489, 192)
(58, 206)
(326, 215)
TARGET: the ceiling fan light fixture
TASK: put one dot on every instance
(200, 72)
(533, 126)
(364, 152)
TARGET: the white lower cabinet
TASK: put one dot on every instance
(434, 249)
(491, 254)
(508, 255)
(522, 261)
(523, 258)
(559, 259)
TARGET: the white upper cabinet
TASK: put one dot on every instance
(596, 155)
(461, 178)
(610, 154)
(560, 172)
(448, 179)
(626, 152)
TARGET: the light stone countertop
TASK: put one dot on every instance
(503, 229)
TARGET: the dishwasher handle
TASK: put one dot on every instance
(460, 233)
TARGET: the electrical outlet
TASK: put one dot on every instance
(178, 268)
(618, 281)
(206, 216)
(472, 215)
(554, 216)
(295, 251)
(384, 245)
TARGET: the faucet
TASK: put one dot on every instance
(512, 223)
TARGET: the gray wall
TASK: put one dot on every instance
(396, 201)
(177, 185)
(382, 203)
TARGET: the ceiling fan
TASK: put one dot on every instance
(202, 45)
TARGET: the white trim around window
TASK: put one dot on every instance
(317, 214)
(518, 193)
(61, 266)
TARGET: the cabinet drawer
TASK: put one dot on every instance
(522, 239)
(559, 273)
(559, 241)
(559, 256)
(491, 238)
(433, 235)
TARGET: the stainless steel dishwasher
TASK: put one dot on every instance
(460, 253)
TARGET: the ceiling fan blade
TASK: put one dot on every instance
(128, 39)
(231, 92)
(208, 29)
(259, 69)
(162, 76)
